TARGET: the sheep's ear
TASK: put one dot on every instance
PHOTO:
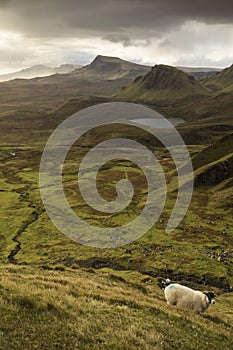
(207, 294)
(212, 294)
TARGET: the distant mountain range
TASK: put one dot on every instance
(162, 86)
(109, 67)
(103, 77)
(200, 73)
(39, 71)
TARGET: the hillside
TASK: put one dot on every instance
(222, 81)
(56, 293)
(156, 252)
(88, 309)
(217, 150)
(112, 68)
(162, 85)
(104, 76)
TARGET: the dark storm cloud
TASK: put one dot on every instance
(52, 18)
(118, 38)
(125, 40)
(149, 31)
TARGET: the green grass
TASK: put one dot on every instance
(221, 81)
(154, 253)
(52, 303)
(214, 152)
(84, 309)
(163, 84)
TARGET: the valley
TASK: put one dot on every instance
(54, 277)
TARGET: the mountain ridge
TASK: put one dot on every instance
(110, 76)
(222, 81)
(162, 84)
(46, 93)
(112, 68)
(40, 70)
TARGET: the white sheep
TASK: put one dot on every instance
(187, 298)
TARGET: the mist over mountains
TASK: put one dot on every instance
(39, 71)
(104, 64)
(104, 76)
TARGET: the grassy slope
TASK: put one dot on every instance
(38, 96)
(221, 81)
(219, 149)
(162, 84)
(198, 253)
(198, 238)
(174, 93)
(87, 309)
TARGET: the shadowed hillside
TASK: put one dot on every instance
(222, 81)
(175, 93)
(104, 76)
(112, 68)
(162, 85)
(221, 148)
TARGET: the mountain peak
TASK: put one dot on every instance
(162, 76)
(111, 60)
(104, 58)
(162, 84)
(113, 67)
(100, 61)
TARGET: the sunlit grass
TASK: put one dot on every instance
(81, 309)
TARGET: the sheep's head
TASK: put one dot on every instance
(163, 283)
(210, 296)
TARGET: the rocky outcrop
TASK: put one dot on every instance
(162, 84)
(162, 77)
(215, 173)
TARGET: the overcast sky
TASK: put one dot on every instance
(176, 32)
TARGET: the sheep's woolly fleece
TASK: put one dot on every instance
(187, 298)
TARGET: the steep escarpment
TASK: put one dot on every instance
(102, 77)
(163, 84)
(222, 81)
(215, 172)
